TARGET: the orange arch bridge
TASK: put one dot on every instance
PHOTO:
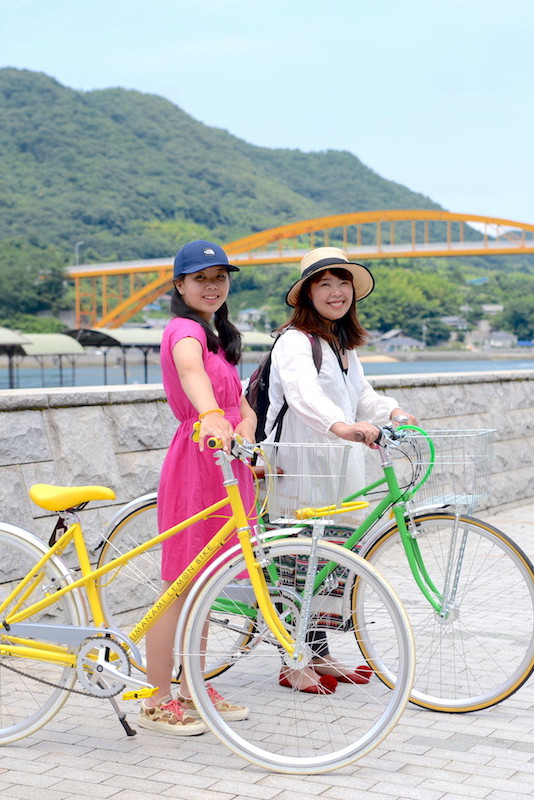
(107, 295)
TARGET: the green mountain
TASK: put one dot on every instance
(132, 175)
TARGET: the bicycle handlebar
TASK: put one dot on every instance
(388, 434)
(400, 421)
(360, 438)
(239, 448)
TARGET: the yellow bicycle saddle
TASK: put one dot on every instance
(59, 498)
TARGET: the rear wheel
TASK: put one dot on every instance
(31, 691)
(127, 592)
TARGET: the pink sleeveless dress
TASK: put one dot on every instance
(191, 480)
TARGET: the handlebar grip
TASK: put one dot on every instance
(212, 442)
(359, 437)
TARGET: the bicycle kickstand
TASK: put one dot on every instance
(121, 716)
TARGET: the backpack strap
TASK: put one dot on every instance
(279, 420)
(317, 352)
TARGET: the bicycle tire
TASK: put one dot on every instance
(28, 701)
(128, 592)
(290, 731)
(484, 651)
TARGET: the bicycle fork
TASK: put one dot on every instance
(296, 648)
(452, 578)
(254, 565)
(444, 602)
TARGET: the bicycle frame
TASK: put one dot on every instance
(399, 500)
(396, 499)
(29, 639)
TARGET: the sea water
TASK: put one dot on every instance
(94, 375)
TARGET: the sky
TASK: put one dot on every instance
(433, 94)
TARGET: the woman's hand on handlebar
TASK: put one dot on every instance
(216, 425)
(364, 432)
(247, 429)
(400, 417)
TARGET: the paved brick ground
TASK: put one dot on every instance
(429, 756)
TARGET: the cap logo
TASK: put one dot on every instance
(208, 251)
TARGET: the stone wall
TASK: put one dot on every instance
(118, 436)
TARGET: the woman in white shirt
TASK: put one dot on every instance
(326, 406)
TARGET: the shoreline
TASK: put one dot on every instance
(365, 355)
(447, 355)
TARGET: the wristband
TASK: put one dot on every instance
(213, 411)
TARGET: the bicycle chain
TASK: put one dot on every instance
(51, 683)
(46, 683)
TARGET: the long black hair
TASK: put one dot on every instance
(229, 338)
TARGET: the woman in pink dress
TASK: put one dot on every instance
(201, 383)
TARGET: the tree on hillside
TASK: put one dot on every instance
(28, 323)
(32, 279)
(135, 177)
(518, 318)
(404, 299)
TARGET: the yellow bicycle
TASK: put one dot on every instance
(56, 636)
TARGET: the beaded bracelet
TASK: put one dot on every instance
(213, 411)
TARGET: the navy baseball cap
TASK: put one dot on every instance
(198, 255)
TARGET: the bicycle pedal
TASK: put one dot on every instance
(138, 694)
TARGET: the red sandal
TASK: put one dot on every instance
(326, 685)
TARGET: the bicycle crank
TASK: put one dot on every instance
(103, 666)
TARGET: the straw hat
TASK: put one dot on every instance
(324, 257)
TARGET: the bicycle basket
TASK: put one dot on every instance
(314, 480)
(461, 475)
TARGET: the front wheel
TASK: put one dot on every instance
(287, 730)
(482, 650)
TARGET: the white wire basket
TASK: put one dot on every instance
(461, 473)
(314, 480)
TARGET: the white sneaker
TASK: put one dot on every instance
(170, 717)
(227, 710)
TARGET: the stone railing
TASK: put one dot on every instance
(118, 436)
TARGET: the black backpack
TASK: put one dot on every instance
(257, 391)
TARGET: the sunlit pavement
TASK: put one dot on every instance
(83, 753)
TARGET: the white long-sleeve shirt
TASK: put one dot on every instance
(315, 402)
